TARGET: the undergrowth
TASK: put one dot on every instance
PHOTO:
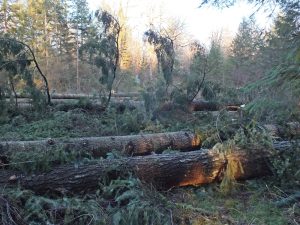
(74, 123)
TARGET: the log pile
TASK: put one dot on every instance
(143, 158)
(162, 170)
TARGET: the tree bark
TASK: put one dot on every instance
(163, 171)
(142, 144)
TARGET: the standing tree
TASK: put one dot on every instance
(244, 53)
(102, 48)
(199, 69)
(11, 17)
(5, 11)
(80, 21)
(164, 50)
(280, 86)
(16, 58)
(215, 59)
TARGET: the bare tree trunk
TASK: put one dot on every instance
(77, 64)
(164, 171)
(141, 144)
(5, 17)
(11, 82)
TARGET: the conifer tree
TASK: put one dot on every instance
(79, 19)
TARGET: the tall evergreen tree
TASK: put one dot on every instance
(244, 53)
(215, 60)
(80, 20)
(11, 17)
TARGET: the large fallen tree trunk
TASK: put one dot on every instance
(93, 105)
(79, 96)
(201, 105)
(198, 105)
(290, 130)
(141, 144)
(91, 100)
(164, 171)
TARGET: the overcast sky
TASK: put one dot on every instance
(199, 22)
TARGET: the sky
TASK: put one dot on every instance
(200, 23)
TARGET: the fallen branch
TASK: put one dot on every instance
(9, 214)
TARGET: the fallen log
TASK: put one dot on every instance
(74, 100)
(164, 171)
(79, 96)
(141, 144)
(198, 105)
(290, 130)
(93, 105)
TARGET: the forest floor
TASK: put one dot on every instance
(128, 200)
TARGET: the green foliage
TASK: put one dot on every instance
(102, 48)
(15, 66)
(42, 161)
(273, 108)
(134, 204)
(44, 210)
(286, 167)
(229, 3)
(245, 55)
(129, 122)
(76, 122)
(199, 68)
(279, 88)
(164, 49)
(253, 136)
(149, 99)
(155, 95)
(208, 73)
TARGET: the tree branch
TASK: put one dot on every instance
(36, 65)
